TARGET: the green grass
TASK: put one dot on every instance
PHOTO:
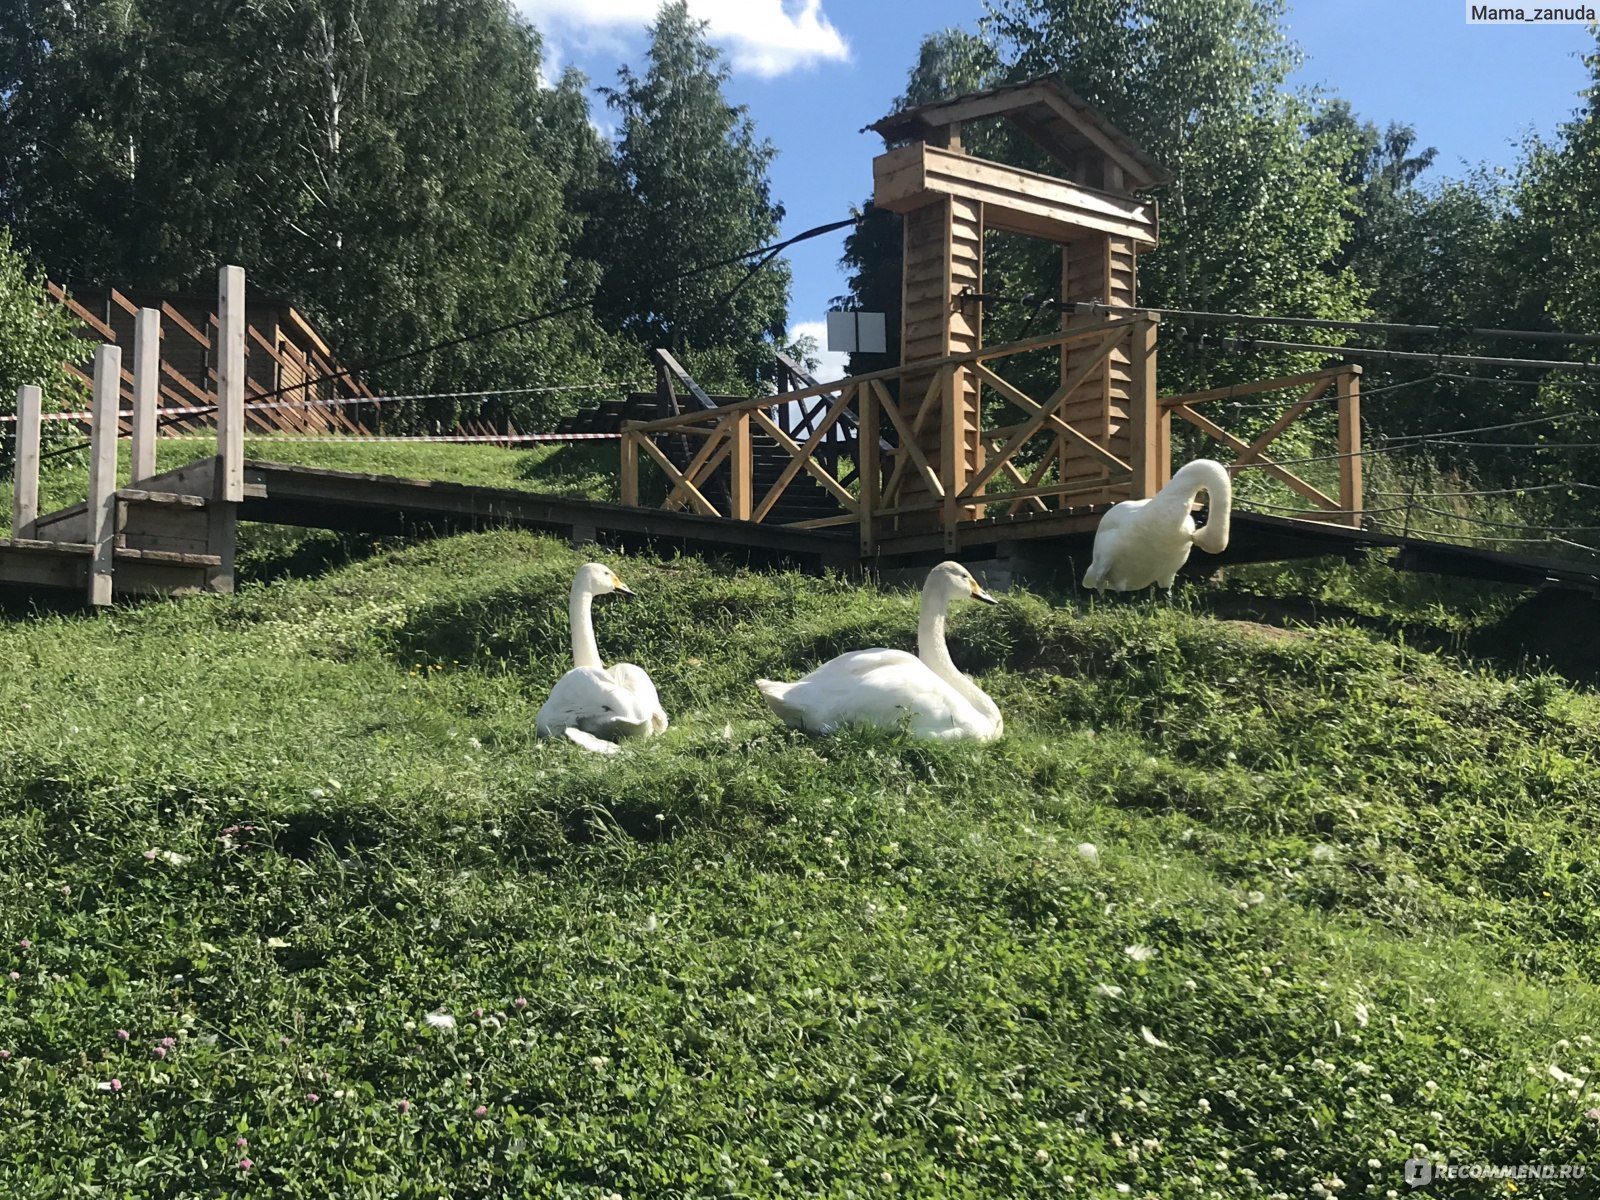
(1343, 904)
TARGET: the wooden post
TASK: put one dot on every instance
(230, 384)
(146, 385)
(630, 468)
(102, 512)
(25, 496)
(1144, 432)
(1350, 444)
(741, 469)
(868, 468)
(952, 473)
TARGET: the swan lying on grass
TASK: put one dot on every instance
(888, 687)
(592, 704)
(1140, 542)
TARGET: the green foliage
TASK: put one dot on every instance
(37, 335)
(392, 165)
(1341, 903)
(686, 187)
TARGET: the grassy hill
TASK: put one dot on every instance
(1340, 907)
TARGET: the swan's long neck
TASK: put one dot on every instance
(580, 615)
(1202, 475)
(933, 650)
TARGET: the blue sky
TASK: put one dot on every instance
(813, 72)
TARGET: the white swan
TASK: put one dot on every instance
(591, 704)
(888, 687)
(1140, 542)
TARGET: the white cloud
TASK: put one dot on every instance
(766, 37)
(835, 363)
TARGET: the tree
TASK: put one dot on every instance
(394, 166)
(686, 187)
(1258, 210)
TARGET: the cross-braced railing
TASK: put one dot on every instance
(919, 445)
(1345, 382)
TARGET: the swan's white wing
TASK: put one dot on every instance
(588, 698)
(1135, 547)
(635, 680)
(874, 687)
(589, 742)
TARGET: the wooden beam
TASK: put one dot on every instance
(793, 466)
(1144, 433)
(1014, 200)
(817, 472)
(1279, 384)
(907, 447)
(25, 491)
(700, 462)
(1043, 413)
(146, 386)
(630, 468)
(102, 511)
(869, 465)
(1350, 445)
(1289, 416)
(740, 466)
(230, 384)
(701, 505)
(1322, 499)
(1028, 404)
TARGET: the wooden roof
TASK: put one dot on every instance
(1054, 116)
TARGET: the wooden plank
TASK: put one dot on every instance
(103, 473)
(630, 468)
(146, 384)
(1350, 497)
(59, 294)
(1143, 436)
(182, 322)
(230, 383)
(1222, 435)
(25, 484)
(1024, 201)
(122, 302)
(1027, 404)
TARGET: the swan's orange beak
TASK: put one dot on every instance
(621, 588)
(979, 594)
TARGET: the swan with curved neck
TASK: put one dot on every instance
(888, 688)
(1140, 542)
(592, 704)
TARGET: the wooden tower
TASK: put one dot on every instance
(1092, 210)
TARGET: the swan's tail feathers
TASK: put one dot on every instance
(775, 694)
(1211, 476)
(589, 742)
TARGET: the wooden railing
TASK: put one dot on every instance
(1346, 509)
(891, 475)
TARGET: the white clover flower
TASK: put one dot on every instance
(1109, 990)
(1139, 952)
(440, 1020)
(1151, 1039)
(1361, 1015)
(1089, 852)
